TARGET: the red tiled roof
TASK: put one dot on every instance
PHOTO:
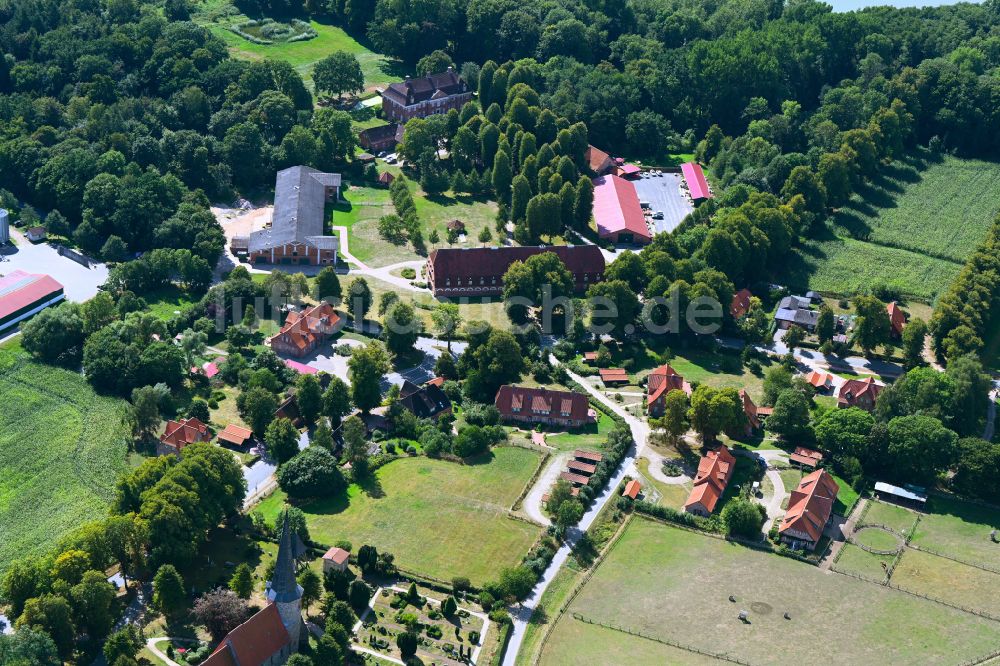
(804, 456)
(489, 262)
(301, 368)
(386, 178)
(597, 159)
(437, 381)
(750, 409)
(695, 179)
(253, 642)
(896, 317)
(574, 478)
(740, 304)
(613, 374)
(617, 209)
(853, 390)
(235, 434)
(337, 555)
(819, 379)
(581, 467)
(554, 404)
(663, 380)
(590, 356)
(588, 455)
(302, 328)
(811, 504)
(627, 170)
(714, 471)
(19, 289)
(179, 434)
(632, 489)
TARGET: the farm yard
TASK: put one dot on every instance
(363, 206)
(674, 585)
(62, 448)
(439, 518)
(910, 230)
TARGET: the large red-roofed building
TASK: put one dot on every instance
(179, 434)
(23, 295)
(897, 319)
(696, 183)
(618, 212)
(260, 641)
(715, 469)
(479, 271)
(304, 331)
(423, 96)
(809, 509)
(660, 382)
(540, 405)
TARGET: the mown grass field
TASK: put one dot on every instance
(951, 581)
(960, 530)
(62, 448)
(911, 229)
(890, 515)
(858, 561)
(438, 518)
(218, 15)
(675, 584)
(365, 205)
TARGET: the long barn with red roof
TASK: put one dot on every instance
(618, 212)
(23, 295)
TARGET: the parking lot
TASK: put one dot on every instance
(663, 193)
(79, 282)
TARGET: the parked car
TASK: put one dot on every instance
(658, 215)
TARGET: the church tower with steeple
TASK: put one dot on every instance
(283, 589)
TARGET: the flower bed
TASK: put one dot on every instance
(269, 31)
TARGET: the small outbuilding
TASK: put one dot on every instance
(235, 435)
(632, 489)
(335, 559)
(911, 496)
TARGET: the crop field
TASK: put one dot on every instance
(218, 15)
(941, 209)
(364, 206)
(672, 584)
(62, 448)
(438, 518)
(911, 230)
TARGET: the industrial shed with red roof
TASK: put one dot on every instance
(696, 183)
(617, 211)
(23, 295)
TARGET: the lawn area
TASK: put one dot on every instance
(717, 371)
(847, 496)
(951, 581)
(364, 205)
(675, 584)
(165, 302)
(941, 209)
(218, 15)
(960, 530)
(877, 539)
(62, 448)
(672, 495)
(438, 518)
(588, 437)
(890, 515)
(555, 594)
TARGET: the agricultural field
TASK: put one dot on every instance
(218, 15)
(911, 230)
(673, 584)
(62, 447)
(438, 518)
(941, 209)
(364, 205)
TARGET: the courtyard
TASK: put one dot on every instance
(79, 282)
(663, 192)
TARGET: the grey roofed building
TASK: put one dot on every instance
(794, 310)
(794, 303)
(300, 196)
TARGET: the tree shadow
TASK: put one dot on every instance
(481, 459)
(371, 486)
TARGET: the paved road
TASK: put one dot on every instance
(533, 500)
(522, 613)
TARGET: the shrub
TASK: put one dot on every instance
(311, 473)
(474, 637)
(409, 273)
(434, 631)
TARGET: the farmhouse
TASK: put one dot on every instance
(296, 232)
(424, 96)
(897, 319)
(305, 331)
(335, 559)
(740, 304)
(179, 434)
(809, 509)
(521, 404)
(794, 310)
(715, 469)
(381, 138)
(600, 162)
(479, 271)
(694, 178)
(613, 376)
(23, 295)
(859, 393)
(426, 402)
(660, 382)
(618, 212)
